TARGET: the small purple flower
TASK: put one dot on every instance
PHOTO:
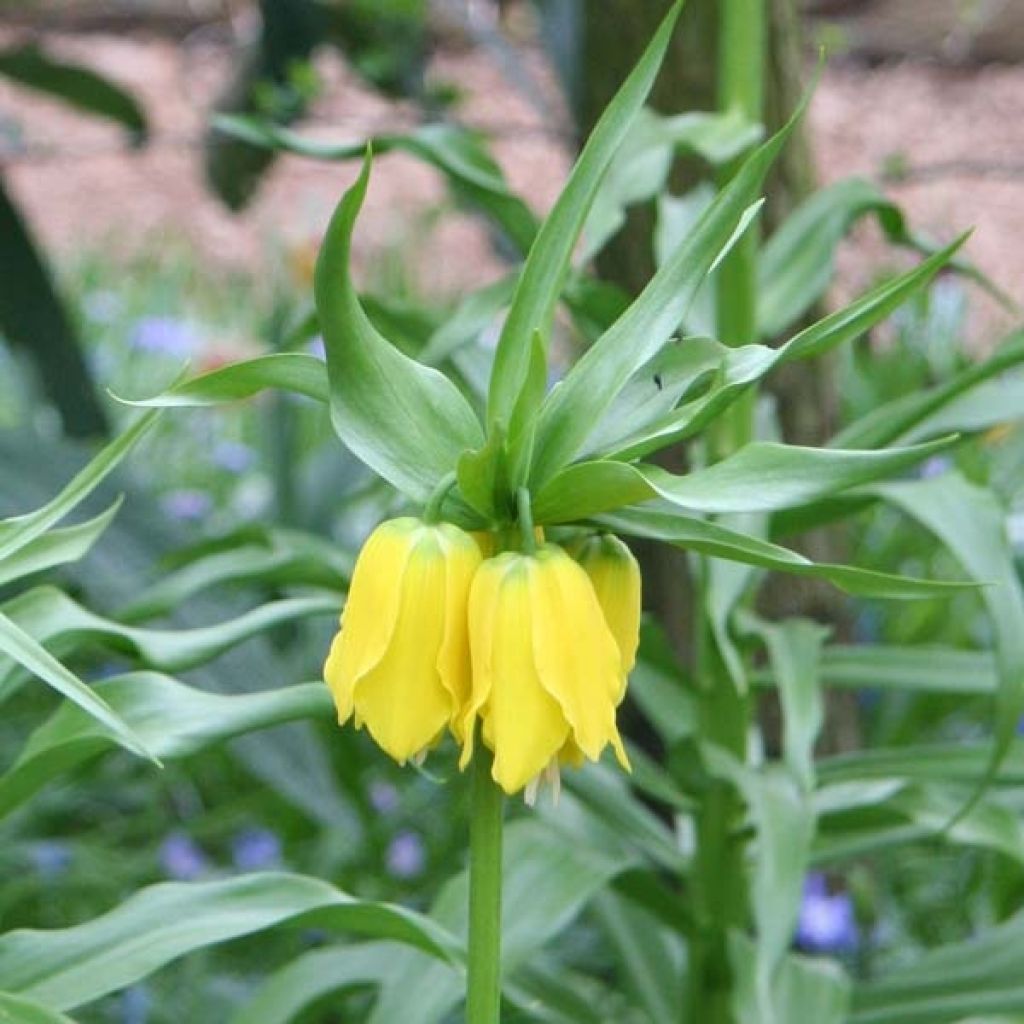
(316, 347)
(233, 456)
(181, 858)
(826, 923)
(1020, 726)
(50, 858)
(256, 849)
(406, 856)
(164, 335)
(937, 465)
(136, 1003)
(187, 505)
(383, 797)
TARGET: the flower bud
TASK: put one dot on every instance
(546, 669)
(400, 663)
(615, 576)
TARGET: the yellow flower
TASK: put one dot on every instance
(615, 576)
(400, 663)
(546, 670)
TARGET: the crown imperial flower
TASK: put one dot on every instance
(400, 663)
(615, 577)
(547, 672)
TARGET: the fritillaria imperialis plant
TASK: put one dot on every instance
(496, 605)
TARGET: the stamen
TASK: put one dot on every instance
(530, 793)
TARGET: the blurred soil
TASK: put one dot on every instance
(955, 134)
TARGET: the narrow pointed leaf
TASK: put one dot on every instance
(17, 532)
(287, 371)
(21, 648)
(547, 264)
(69, 967)
(710, 538)
(760, 477)
(406, 421)
(171, 719)
(56, 547)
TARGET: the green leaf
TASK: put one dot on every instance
(549, 876)
(649, 959)
(639, 172)
(274, 558)
(582, 399)
(16, 1010)
(48, 616)
(458, 153)
(794, 651)
(16, 533)
(932, 762)
(745, 365)
(547, 264)
(783, 821)
(913, 669)
(56, 547)
(474, 314)
(20, 647)
(313, 976)
(406, 421)
(960, 400)
(76, 85)
(172, 720)
(69, 967)
(970, 523)
(979, 976)
(805, 989)
(710, 538)
(288, 371)
(760, 477)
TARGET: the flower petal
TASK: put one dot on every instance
(401, 698)
(371, 611)
(462, 559)
(525, 724)
(576, 655)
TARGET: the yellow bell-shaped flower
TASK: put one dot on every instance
(400, 663)
(546, 669)
(615, 576)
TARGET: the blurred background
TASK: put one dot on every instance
(137, 237)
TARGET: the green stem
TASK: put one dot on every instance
(741, 90)
(718, 876)
(483, 995)
(527, 539)
(432, 510)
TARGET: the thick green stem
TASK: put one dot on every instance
(741, 64)
(483, 994)
(718, 877)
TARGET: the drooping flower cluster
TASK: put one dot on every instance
(439, 633)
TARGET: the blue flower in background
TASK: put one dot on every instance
(187, 505)
(164, 335)
(181, 858)
(316, 348)
(50, 858)
(383, 797)
(233, 456)
(136, 1003)
(826, 923)
(937, 465)
(256, 849)
(406, 856)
